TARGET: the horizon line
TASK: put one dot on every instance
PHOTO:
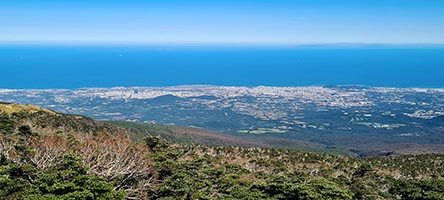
(211, 85)
(221, 44)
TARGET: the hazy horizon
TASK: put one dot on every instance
(216, 45)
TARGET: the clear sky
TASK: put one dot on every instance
(222, 21)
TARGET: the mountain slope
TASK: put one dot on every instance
(67, 156)
(45, 120)
(191, 135)
(100, 161)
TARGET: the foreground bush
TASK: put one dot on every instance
(66, 180)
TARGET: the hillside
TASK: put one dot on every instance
(192, 135)
(45, 120)
(10, 108)
(49, 155)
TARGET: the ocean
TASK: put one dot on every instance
(76, 66)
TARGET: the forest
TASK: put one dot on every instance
(49, 155)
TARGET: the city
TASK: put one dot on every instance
(346, 117)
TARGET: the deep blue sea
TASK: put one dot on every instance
(39, 66)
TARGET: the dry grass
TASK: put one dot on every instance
(15, 108)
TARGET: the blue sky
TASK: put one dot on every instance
(222, 21)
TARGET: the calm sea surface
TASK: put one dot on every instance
(24, 66)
